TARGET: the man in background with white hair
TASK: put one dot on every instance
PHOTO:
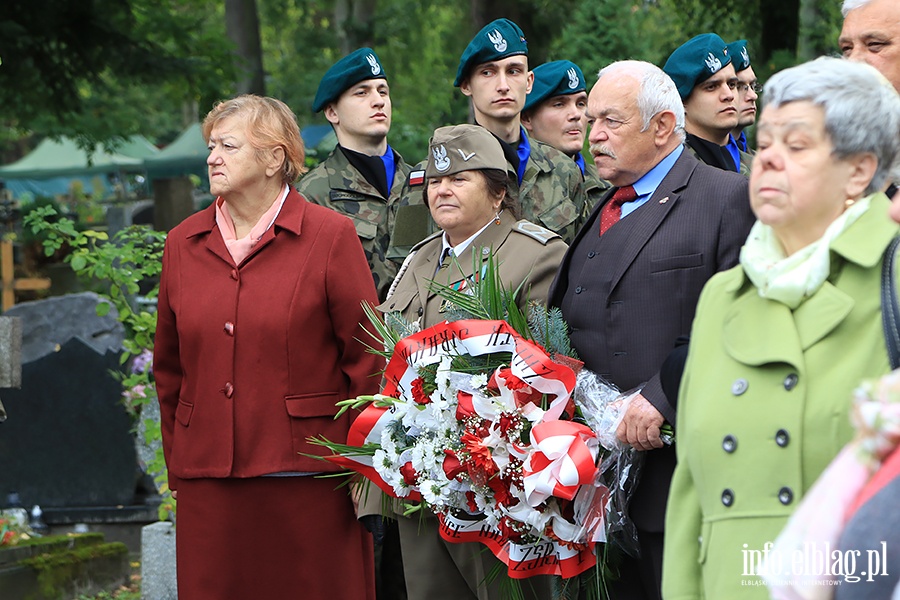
(871, 34)
(629, 284)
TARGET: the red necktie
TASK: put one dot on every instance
(612, 210)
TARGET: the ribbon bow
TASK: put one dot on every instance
(563, 459)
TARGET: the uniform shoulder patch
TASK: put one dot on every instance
(434, 235)
(541, 234)
(416, 178)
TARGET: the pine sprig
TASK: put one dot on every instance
(550, 330)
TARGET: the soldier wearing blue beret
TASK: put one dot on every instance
(363, 176)
(493, 73)
(554, 113)
(703, 72)
(747, 92)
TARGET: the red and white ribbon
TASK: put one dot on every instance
(562, 459)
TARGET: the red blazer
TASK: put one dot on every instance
(250, 359)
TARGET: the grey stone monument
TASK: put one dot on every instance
(158, 577)
(10, 356)
(69, 445)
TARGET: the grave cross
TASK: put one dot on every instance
(9, 284)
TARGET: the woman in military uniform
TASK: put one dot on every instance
(466, 195)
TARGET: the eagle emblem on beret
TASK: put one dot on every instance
(441, 160)
(713, 63)
(373, 62)
(573, 78)
(497, 40)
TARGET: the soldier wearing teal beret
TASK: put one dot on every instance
(496, 40)
(747, 93)
(704, 75)
(493, 72)
(363, 176)
(557, 78)
(697, 60)
(357, 66)
(554, 114)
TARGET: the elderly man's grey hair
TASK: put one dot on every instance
(862, 108)
(657, 91)
(849, 5)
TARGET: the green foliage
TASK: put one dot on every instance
(108, 68)
(603, 32)
(128, 260)
(550, 330)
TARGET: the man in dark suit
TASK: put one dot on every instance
(630, 292)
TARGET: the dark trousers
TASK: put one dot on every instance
(640, 578)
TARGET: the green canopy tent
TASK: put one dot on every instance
(52, 167)
(186, 155)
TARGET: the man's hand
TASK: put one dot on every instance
(640, 425)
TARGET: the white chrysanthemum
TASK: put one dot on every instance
(442, 377)
(479, 381)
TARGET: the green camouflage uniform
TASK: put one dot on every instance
(552, 194)
(337, 184)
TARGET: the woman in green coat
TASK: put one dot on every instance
(780, 341)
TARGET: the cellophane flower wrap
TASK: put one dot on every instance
(496, 436)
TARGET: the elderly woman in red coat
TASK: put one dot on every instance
(259, 312)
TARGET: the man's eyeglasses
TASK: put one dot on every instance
(744, 87)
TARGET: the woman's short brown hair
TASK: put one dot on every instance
(269, 123)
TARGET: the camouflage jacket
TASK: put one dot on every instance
(552, 194)
(337, 184)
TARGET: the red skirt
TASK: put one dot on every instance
(271, 537)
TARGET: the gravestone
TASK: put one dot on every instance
(70, 447)
(159, 579)
(10, 356)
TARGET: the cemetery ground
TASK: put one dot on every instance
(129, 591)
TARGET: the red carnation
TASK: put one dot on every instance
(508, 421)
(501, 492)
(451, 465)
(418, 391)
(512, 382)
(409, 474)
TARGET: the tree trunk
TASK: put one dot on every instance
(242, 28)
(780, 26)
(353, 20)
(809, 14)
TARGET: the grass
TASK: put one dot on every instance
(131, 591)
